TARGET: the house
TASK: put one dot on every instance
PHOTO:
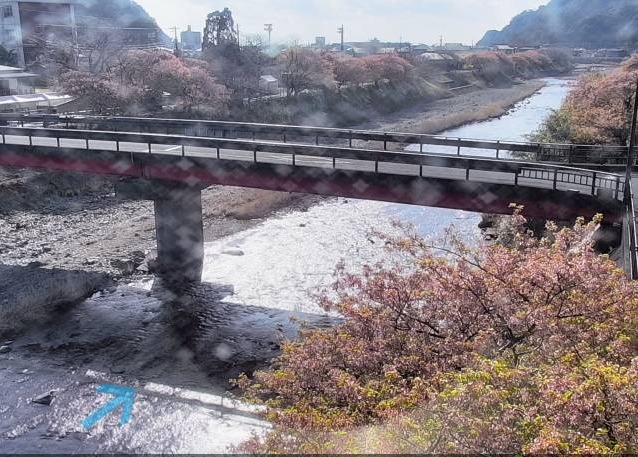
(503, 48)
(268, 84)
(26, 25)
(421, 48)
(14, 81)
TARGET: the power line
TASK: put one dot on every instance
(100, 28)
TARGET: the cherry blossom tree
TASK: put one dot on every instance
(450, 348)
(597, 111)
(99, 92)
(142, 79)
(600, 107)
(350, 70)
(388, 67)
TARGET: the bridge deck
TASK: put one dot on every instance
(600, 156)
(327, 170)
(411, 164)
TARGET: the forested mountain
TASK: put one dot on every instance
(576, 23)
(123, 14)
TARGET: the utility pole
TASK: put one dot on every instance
(340, 31)
(441, 41)
(176, 50)
(268, 28)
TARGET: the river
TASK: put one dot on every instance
(256, 281)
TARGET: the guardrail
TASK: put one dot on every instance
(591, 182)
(536, 152)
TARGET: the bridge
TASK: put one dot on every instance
(169, 161)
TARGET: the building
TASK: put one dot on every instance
(504, 48)
(51, 102)
(268, 84)
(191, 41)
(421, 48)
(320, 42)
(453, 47)
(27, 26)
(616, 53)
(14, 81)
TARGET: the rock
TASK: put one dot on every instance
(138, 257)
(44, 399)
(302, 225)
(234, 252)
(487, 221)
(125, 266)
(36, 264)
(5, 349)
(153, 265)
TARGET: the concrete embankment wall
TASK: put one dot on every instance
(624, 252)
(30, 295)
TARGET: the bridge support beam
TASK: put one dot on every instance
(178, 225)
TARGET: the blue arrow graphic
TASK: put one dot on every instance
(124, 397)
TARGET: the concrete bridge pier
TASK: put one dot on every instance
(180, 236)
(178, 225)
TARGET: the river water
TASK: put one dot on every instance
(287, 257)
(255, 282)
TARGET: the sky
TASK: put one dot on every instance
(415, 21)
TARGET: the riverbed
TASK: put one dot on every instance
(259, 286)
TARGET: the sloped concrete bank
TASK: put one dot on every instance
(30, 294)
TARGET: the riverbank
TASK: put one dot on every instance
(473, 106)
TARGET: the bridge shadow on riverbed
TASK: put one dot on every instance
(190, 337)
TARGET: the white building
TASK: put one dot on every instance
(23, 24)
(14, 81)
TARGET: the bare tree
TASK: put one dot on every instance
(306, 69)
(101, 49)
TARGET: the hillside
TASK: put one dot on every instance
(119, 14)
(576, 23)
